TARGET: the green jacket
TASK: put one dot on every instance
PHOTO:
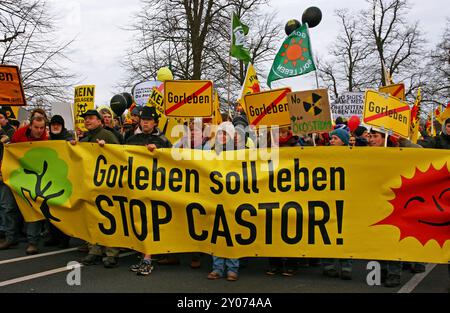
(101, 134)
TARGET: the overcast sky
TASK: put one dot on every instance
(101, 41)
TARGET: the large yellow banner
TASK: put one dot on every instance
(366, 203)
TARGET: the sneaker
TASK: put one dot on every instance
(392, 280)
(272, 271)
(32, 249)
(110, 262)
(288, 272)
(346, 274)
(145, 269)
(135, 267)
(91, 259)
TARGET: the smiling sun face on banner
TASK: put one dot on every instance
(421, 211)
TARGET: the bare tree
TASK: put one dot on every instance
(28, 40)
(438, 87)
(193, 37)
(346, 68)
(399, 44)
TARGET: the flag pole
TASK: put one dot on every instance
(432, 117)
(229, 86)
(229, 67)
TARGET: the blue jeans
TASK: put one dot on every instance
(11, 214)
(224, 265)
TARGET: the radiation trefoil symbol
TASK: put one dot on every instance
(422, 206)
(313, 108)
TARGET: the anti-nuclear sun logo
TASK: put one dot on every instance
(293, 52)
(422, 206)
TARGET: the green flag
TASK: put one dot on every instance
(238, 40)
(294, 57)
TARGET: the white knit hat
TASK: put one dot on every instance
(227, 127)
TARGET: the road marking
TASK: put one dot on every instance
(47, 273)
(416, 279)
(33, 276)
(36, 256)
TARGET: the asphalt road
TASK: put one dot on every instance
(47, 273)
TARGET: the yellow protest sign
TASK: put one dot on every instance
(165, 124)
(331, 202)
(397, 90)
(83, 100)
(268, 108)
(12, 112)
(156, 99)
(11, 89)
(387, 112)
(188, 98)
(310, 111)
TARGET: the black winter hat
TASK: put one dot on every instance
(149, 113)
(240, 120)
(340, 120)
(3, 112)
(57, 119)
(360, 130)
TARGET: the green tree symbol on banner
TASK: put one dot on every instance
(42, 180)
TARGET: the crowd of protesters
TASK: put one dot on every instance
(142, 130)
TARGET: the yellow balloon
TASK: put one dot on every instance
(164, 73)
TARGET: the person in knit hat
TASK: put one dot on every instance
(224, 267)
(442, 141)
(362, 136)
(339, 137)
(58, 130)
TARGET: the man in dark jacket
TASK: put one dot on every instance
(96, 133)
(33, 132)
(58, 130)
(153, 139)
(151, 135)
